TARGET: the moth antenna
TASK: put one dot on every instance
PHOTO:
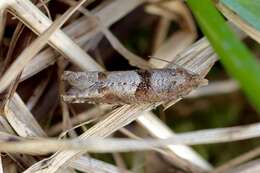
(172, 63)
(159, 59)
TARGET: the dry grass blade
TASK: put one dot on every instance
(22, 161)
(66, 123)
(119, 162)
(238, 160)
(250, 167)
(87, 164)
(160, 33)
(215, 88)
(131, 57)
(18, 30)
(175, 10)
(178, 41)
(86, 116)
(1, 165)
(34, 48)
(37, 93)
(9, 58)
(99, 145)
(252, 32)
(21, 119)
(46, 9)
(180, 155)
(2, 22)
(158, 129)
(5, 126)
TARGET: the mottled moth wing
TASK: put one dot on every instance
(130, 87)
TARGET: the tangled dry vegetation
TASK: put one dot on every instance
(41, 133)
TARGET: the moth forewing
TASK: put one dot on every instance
(130, 87)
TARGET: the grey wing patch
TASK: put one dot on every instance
(76, 95)
(84, 86)
(81, 80)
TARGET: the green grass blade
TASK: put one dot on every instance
(249, 10)
(236, 58)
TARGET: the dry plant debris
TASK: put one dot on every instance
(35, 121)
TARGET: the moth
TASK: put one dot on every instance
(130, 87)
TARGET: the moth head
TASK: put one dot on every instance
(198, 81)
(191, 77)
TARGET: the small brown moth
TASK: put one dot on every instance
(130, 87)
